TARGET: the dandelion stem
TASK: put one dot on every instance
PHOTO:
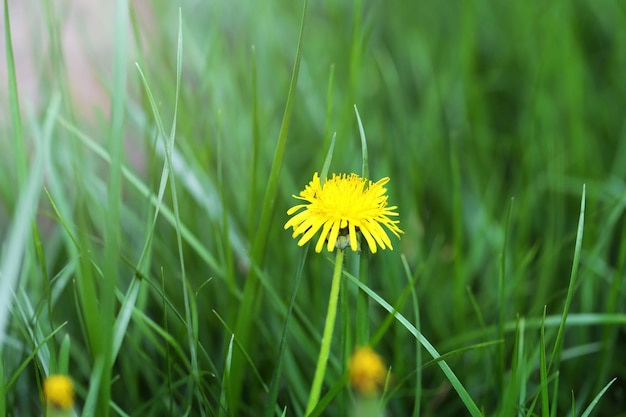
(320, 369)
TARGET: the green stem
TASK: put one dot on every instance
(327, 337)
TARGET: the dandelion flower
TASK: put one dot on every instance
(367, 371)
(341, 207)
(59, 391)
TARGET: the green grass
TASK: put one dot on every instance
(143, 250)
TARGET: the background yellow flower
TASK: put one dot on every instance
(367, 371)
(59, 391)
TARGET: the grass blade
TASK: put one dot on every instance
(273, 393)
(471, 406)
(596, 399)
(558, 344)
(252, 290)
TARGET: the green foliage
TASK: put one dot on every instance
(143, 251)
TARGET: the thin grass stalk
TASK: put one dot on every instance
(558, 344)
(327, 336)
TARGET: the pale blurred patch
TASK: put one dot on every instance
(84, 33)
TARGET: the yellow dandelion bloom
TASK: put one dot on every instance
(59, 391)
(342, 206)
(367, 371)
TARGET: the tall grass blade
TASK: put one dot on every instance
(226, 379)
(558, 344)
(252, 290)
(543, 371)
(502, 307)
(19, 155)
(16, 242)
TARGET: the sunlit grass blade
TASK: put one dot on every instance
(596, 399)
(92, 398)
(123, 318)
(226, 379)
(327, 335)
(558, 344)
(328, 160)
(63, 363)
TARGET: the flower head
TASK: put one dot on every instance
(341, 206)
(367, 371)
(59, 391)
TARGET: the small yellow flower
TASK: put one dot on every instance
(341, 206)
(59, 391)
(367, 371)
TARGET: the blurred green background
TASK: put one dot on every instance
(474, 109)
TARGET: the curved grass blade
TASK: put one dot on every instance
(328, 159)
(596, 399)
(365, 169)
(558, 344)
(454, 381)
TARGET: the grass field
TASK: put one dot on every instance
(143, 247)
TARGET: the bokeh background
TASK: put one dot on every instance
(489, 118)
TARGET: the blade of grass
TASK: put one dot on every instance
(362, 301)
(596, 399)
(252, 290)
(558, 344)
(418, 350)
(256, 140)
(106, 296)
(454, 381)
(63, 364)
(501, 359)
(225, 381)
(543, 370)
(555, 395)
(92, 398)
(27, 361)
(328, 159)
(19, 156)
(365, 169)
(15, 243)
(272, 397)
